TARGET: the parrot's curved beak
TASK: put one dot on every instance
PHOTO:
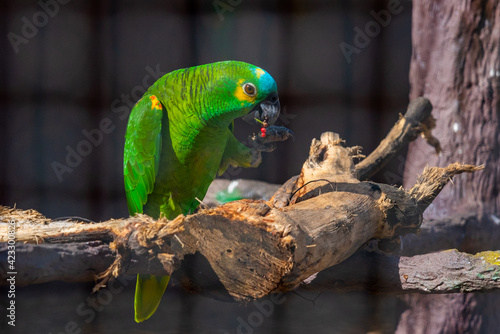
(266, 111)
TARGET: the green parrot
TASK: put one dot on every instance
(180, 137)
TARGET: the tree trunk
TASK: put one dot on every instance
(456, 64)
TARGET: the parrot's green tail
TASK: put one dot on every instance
(148, 292)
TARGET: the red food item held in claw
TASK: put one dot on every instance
(262, 132)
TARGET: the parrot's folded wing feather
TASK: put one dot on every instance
(140, 167)
(142, 151)
(148, 292)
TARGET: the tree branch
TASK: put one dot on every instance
(418, 119)
(247, 248)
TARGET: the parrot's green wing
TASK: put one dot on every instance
(140, 167)
(142, 152)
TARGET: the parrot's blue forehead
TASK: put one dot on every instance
(266, 81)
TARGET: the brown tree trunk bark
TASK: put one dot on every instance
(456, 64)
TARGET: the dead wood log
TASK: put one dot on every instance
(249, 248)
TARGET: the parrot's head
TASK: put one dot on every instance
(252, 93)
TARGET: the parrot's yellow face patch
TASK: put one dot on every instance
(241, 95)
(155, 104)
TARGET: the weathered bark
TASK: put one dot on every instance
(248, 248)
(456, 64)
(252, 248)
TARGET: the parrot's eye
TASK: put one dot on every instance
(249, 89)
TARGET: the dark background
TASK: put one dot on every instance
(73, 72)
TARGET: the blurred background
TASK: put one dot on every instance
(68, 67)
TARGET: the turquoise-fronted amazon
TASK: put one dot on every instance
(180, 136)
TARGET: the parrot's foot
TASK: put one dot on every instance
(269, 135)
(266, 140)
